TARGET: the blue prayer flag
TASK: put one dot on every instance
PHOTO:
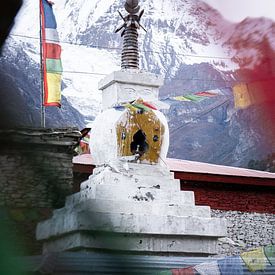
(50, 21)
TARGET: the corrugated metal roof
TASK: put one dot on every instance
(103, 263)
(207, 168)
(178, 165)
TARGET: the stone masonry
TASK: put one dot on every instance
(245, 231)
(35, 177)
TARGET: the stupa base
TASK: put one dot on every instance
(129, 207)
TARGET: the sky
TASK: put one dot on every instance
(237, 10)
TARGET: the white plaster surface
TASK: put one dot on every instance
(127, 86)
(133, 77)
(88, 220)
(119, 93)
(139, 207)
(103, 141)
(137, 243)
(135, 201)
(166, 138)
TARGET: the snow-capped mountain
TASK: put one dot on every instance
(177, 33)
(20, 92)
(187, 41)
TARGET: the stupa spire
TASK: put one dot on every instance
(130, 26)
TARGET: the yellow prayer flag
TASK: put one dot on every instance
(255, 259)
(131, 107)
(181, 98)
(53, 91)
(242, 97)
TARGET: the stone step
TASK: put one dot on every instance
(129, 207)
(130, 193)
(152, 244)
(85, 220)
(135, 169)
(134, 181)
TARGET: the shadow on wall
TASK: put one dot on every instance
(8, 12)
(8, 245)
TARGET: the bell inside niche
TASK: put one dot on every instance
(139, 146)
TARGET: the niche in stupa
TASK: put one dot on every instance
(140, 133)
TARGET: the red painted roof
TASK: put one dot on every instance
(177, 165)
(85, 159)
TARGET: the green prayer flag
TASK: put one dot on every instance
(54, 66)
(194, 97)
(181, 98)
(269, 252)
(141, 106)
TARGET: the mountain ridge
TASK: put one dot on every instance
(188, 42)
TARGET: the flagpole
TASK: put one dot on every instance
(43, 117)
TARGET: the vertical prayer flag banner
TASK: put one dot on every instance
(51, 56)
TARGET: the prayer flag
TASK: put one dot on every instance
(184, 271)
(231, 266)
(131, 107)
(255, 260)
(181, 98)
(141, 106)
(151, 106)
(53, 51)
(194, 97)
(208, 268)
(270, 253)
(198, 96)
(206, 93)
(51, 55)
(242, 97)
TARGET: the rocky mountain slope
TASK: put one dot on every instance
(188, 42)
(21, 97)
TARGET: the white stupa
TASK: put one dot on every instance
(132, 201)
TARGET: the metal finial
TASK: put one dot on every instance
(130, 54)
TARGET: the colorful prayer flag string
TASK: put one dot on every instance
(196, 97)
(255, 260)
(138, 105)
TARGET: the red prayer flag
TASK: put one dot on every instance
(52, 51)
(210, 94)
(149, 105)
(184, 271)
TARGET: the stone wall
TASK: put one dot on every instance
(35, 177)
(248, 209)
(245, 231)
